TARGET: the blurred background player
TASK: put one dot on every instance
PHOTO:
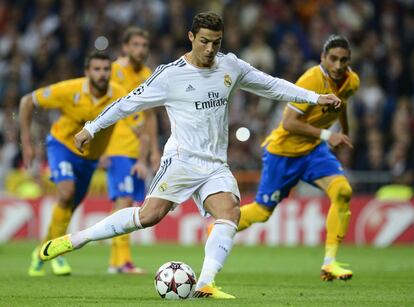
(297, 150)
(78, 100)
(131, 141)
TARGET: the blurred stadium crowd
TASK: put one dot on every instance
(45, 41)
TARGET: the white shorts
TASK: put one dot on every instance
(184, 176)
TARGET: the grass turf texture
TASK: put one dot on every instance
(257, 276)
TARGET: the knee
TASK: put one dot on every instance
(234, 214)
(123, 202)
(345, 191)
(150, 218)
(231, 213)
(340, 190)
(263, 212)
(66, 197)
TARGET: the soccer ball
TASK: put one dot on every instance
(175, 280)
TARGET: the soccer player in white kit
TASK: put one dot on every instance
(195, 90)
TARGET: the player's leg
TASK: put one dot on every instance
(224, 207)
(123, 190)
(60, 163)
(339, 192)
(325, 171)
(61, 216)
(119, 223)
(72, 195)
(279, 175)
(120, 258)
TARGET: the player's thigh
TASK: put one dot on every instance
(324, 182)
(176, 180)
(69, 172)
(121, 184)
(220, 180)
(153, 210)
(84, 170)
(60, 160)
(279, 175)
(223, 205)
(321, 167)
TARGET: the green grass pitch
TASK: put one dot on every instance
(257, 276)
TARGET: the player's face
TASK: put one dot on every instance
(98, 73)
(336, 61)
(205, 45)
(137, 49)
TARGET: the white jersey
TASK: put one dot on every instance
(197, 102)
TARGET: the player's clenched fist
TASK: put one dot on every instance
(329, 99)
(81, 138)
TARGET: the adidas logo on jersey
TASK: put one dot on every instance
(190, 88)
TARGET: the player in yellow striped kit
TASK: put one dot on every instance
(78, 100)
(298, 150)
(134, 137)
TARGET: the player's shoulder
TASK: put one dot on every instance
(353, 78)
(118, 71)
(116, 65)
(313, 72)
(181, 62)
(231, 62)
(71, 85)
(172, 67)
(227, 57)
(313, 76)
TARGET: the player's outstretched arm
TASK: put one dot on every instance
(262, 84)
(143, 97)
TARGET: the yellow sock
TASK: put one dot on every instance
(252, 213)
(120, 251)
(339, 192)
(59, 222)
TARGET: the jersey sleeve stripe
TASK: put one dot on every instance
(295, 109)
(107, 109)
(160, 69)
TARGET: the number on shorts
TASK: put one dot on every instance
(66, 168)
(127, 185)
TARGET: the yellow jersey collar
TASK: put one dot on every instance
(331, 81)
(85, 89)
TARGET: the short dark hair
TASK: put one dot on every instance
(335, 41)
(132, 31)
(207, 20)
(96, 54)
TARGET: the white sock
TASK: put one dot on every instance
(121, 222)
(218, 247)
(328, 260)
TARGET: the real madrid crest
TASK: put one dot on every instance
(227, 80)
(163, 187)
